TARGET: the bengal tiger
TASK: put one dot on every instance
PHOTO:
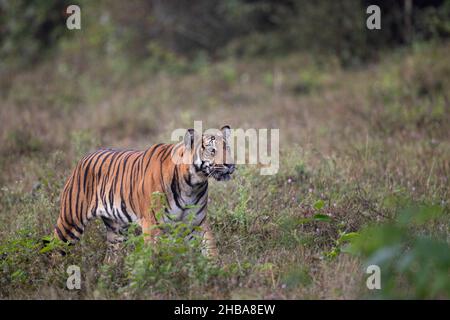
(117, 186)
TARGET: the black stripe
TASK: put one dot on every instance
(130, 195)
(107, 223)
(175, 189)
(71, 223)
(96, 178)
(188, 180)
(70, 202)
(112, 163)
(111, 198)
(151, 156)
(77, 203)
(94, 209)
(102, 192)
(84, 213)
(124, 170)
(201, 193)
(168, 214)
(99, 155)
(161, 176)
(103, 162)
(123, 167)
(124, 210)
(118, 215)
(103, 186)
(167, 152)
(87, 166)
(202, 208)
(60, 235)
(112, 188)
(111, 191)
(88, 157)
(79, 230)
(70, 234)
(200, 223)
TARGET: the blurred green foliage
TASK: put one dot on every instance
(413, 263)
(28, 29)
(177, 33)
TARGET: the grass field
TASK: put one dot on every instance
(357, 147)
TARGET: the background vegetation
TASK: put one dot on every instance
(365, 150)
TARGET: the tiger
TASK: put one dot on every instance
(117, 186)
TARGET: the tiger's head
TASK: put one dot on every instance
(211, 153)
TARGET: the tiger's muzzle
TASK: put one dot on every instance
(223, 172)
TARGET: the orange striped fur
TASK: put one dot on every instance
(117, 186)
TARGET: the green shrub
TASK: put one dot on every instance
(413, 263)
(22, 141)
(174, 266)
(28, 30)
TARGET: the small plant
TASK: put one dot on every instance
(317, 216)
(240, 213)
(82, 142)
(228, 73)
(172, 266)
(17, 257)
(339, 244)
(51, 243)
(22, 141)
(296, 277)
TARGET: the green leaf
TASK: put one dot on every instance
(420, 215)
(47, 238)
(46, 249)
(304, 220)
(321, 217)
(319, 204)
(348, 236)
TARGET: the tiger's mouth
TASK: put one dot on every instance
(221, 176)
(222, 173)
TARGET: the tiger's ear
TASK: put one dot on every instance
(191, 138)
(226, 131)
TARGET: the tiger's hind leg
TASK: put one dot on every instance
(115, 232)
(115, 236)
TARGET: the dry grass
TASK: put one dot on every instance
(359, 140)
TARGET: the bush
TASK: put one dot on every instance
(413, 264)
(173, 267)
(172, 32)
(28, 29)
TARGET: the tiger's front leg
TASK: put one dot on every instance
(150, 228)
(209, 247)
